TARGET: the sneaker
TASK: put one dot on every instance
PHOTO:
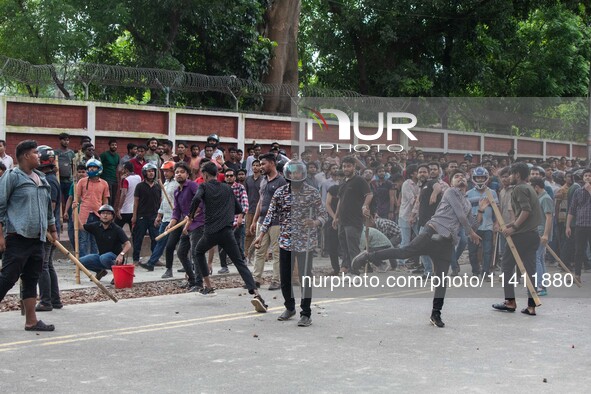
(181, 270)
(259, 304)
(57, 305)
(286, 315)
(147, 267)
(274, 286)
(224, 270)
(43, 308)
(305, 321)
(101, 274)
(167, 273)
(207, 292)
(359, 260)
(542, 292)
(187, 285)
(436, 319)
(194, 289)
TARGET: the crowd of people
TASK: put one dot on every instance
(408, 210)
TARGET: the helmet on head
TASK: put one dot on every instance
(213, 137)
(578, 175)
(558, 176)
(480, 172)
(106, 207)
(295, 171)
(168, 165)
(46, 156)
(148, 166)
(94, 163)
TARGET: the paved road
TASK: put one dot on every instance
(182, 343)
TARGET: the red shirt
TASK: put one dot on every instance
(137, 166)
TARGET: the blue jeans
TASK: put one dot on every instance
(540, 265)
(143, 224)
(97, 263)
(87, 243)
(487, 247)
(458, 250)
(406, 231)
(426, 260)
(160, 246)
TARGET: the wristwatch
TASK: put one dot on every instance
(122, 254)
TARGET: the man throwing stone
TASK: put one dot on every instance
(438, 239)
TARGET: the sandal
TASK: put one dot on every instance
(527, 312)
(40, 326)
(503, 307)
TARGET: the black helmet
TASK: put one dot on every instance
(106, 207)
(213, 137)
(46, 156)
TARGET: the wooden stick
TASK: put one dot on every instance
(511, 244)
(81, 266)
(496, 244)
(564, 267)
(165, 194)
(170, 230)
(76, 232)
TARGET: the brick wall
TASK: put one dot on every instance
(45, 115)
(201, 125)
(50, 117)
(116, 119)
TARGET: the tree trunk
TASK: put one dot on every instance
(282, 24)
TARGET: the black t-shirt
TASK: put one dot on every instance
(334, 193)
(426, 210)
(352, 195)
(149, 199)
(108, 240)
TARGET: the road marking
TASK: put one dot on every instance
(79, 337)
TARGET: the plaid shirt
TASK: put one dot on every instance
(240, 193)
(292, 209)
(388, 227)
(580, 207)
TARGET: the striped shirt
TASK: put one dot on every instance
(580, 207)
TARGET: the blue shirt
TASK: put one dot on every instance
(474, 196)
(25, 208)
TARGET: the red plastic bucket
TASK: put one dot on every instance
(123, 275)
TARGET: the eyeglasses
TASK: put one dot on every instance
(230, 175)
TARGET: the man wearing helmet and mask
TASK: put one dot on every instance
(92, 192)
(49, 292)
(164, 213)
(146, 201)
(486, 219)
(112, 242)
(299, 209)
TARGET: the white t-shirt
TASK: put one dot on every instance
(8, 162)
(129, 183)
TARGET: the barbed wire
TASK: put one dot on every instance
(88, 74)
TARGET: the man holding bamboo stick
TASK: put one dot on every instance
(524, 232)
(25, 217)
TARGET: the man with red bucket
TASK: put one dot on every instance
(112, 243)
